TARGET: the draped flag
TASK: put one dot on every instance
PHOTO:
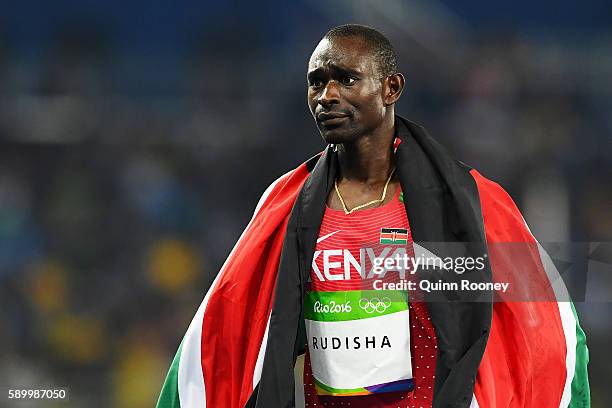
(240, 347)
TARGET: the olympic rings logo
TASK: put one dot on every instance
(375, 305)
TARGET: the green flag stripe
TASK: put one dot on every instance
(391, 241)
(581, 396)
(169, 396)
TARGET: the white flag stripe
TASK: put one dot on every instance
(474, 403)
(190, 380)
(261, 355)
(568, 320)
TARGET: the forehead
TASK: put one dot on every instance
(350, 53)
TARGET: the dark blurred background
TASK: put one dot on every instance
(136, 138)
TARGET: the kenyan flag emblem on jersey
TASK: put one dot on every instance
(394, 236)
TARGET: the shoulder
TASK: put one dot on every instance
(287, 185)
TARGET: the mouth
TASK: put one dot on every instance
(331, 118)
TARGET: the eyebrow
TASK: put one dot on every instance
(337, 68)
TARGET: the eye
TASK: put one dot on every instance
(348, 81)
(316, 83)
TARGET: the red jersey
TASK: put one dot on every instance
(367, 346)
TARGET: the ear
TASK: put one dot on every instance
(393, 87)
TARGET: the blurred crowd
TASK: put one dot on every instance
(126, 180)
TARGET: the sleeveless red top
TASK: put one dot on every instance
(351, 272)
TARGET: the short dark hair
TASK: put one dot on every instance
(382, 50)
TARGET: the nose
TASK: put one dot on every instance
(330, 94)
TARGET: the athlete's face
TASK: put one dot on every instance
(345, 89)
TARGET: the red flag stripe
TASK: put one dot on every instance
(526, 342)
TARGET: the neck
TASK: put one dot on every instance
(369, 159)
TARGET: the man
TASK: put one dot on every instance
(353, 84)
(302, 276)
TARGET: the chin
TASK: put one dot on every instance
(338, 135)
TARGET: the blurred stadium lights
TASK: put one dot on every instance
(430, 24)
(121, 160)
